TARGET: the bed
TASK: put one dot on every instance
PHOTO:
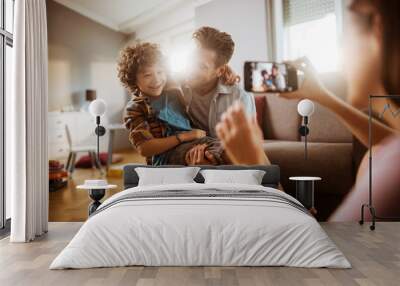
(198, 224)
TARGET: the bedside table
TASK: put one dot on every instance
(97, 190)
(305, 190)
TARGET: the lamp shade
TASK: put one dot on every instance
(97, 107)
(305, 107)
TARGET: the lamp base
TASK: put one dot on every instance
(96, 195)
(100, 130)
(304, 131)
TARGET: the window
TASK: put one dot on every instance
(9, 15)
(311, 30)
(6, 44)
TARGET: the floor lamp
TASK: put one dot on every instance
(369, 205)
(97, 188)
(97, 108)
(305, 108)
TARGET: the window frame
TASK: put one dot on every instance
(276, 31)
(6, 39)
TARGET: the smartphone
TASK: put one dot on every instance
(272, 77)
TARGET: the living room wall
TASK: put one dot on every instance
(82, 55)
(246, 21)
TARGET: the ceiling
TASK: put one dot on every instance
(121, 15)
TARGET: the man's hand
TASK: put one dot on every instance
(198, 156)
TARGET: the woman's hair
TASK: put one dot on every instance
(223, 46)
(389, 17)
(133, 59)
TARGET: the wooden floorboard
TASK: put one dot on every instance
(374, 255)
(70, 204)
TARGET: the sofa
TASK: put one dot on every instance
(333, 155)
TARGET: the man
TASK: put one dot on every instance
(278, 80)
(211, 87)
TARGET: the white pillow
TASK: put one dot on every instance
(166, 176)
(248, 177)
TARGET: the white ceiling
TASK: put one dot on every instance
(121, 15)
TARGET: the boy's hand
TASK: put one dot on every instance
(197, 155)
(192, 135)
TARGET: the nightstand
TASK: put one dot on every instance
(97, 190)
(305, 191)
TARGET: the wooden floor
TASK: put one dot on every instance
(374, 255)
(70, 204)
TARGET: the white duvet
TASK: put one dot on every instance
(200, 231)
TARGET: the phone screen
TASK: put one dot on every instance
(269, 77)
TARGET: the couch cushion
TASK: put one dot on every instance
(260, 110)
(281, 118)
(324, 126)
(330, 161)
(333, 162)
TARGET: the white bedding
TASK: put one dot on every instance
(200, 231)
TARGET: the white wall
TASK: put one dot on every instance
(168, 25)
(247, 23)
(83, 55)
(172, 30)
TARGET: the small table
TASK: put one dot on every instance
(305, 190)
(97, 190)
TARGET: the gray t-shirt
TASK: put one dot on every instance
(199, 110)
(205, 111)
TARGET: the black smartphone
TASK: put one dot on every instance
(270, 77)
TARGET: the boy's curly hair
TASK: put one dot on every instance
(133, 58)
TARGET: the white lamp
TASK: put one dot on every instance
(97, 188)
(305, 108)
(97, 108)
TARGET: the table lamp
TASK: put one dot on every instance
(305, 108)
(97, 188)
(97, 108)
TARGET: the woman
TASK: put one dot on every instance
(373, 53)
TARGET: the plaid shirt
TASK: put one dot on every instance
(142, 122)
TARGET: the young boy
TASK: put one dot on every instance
(155, 117)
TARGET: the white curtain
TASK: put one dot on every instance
(28, 153)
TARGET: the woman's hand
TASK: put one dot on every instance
(192, 135)
(241, 137)
(312, 87)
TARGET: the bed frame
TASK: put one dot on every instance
(270, 179)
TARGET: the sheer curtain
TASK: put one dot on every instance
(28, 150)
